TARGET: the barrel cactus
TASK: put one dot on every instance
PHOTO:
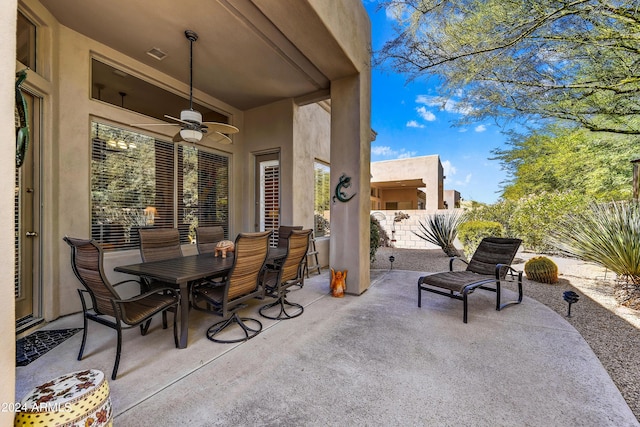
(541, 269)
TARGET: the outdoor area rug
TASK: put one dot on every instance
(38, 343)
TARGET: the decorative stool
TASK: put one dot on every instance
(76, 399)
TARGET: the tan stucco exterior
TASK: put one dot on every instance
(428, 169)
(302, 129)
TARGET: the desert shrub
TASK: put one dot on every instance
(470, 233)
(323, 227)
(441, 229)
(374, 237)
(500, 212)
(607, 234)
(535, 216)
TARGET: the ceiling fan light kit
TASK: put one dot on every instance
(191, 135)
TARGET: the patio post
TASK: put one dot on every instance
(350, 159)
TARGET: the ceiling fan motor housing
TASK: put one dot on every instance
(192, 116)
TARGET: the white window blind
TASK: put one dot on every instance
(270, 198)
(134, 180)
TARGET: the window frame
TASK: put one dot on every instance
(322, 224)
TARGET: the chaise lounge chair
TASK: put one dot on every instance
(489, 264)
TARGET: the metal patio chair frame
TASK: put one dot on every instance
(107, 307)
(490, 263)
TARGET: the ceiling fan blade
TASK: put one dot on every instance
(221, 127)
(154, 124)
(176, 119)
(177, 137)
(217, 137)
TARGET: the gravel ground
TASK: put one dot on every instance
(612, 331)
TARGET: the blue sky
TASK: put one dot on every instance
(410, 122)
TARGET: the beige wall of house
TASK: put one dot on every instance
(7, 164)
(403, 198)
(301, 135)
(312, 137)
(452, 199)
(427, 168)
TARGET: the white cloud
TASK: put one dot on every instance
(448, 169)
(480, 128)
(431, 101)
(414, 124)
(462, 130)
(467, 180)
(406, 154)
(426, 114)
(389, 153)
(381, 150)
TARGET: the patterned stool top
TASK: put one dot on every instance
(76, 399)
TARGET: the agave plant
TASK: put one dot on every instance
(606, 234)
(441, 229)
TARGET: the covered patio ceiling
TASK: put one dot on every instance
(249, 52)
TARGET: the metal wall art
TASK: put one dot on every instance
(343, 182)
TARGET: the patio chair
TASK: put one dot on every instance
(277, 279)
(241, 284)
(490, 263)
(158, 244)
(207, 238)
(284, 231)
(107, 307)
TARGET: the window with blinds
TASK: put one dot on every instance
(322, 197)
(203, 183)
(135, 181)
(270, 198)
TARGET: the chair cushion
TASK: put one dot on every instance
(456, 280)
(134, 312)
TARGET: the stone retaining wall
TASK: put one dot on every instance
(402, 231)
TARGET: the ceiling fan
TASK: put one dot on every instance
(193, 129)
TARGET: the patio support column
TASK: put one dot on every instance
(350, 157)
(7, 188)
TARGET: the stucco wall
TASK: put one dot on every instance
(7, 156)
(312, 139)
(268, 129)
(428, 168)
(301, 134)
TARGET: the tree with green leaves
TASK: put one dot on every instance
(575, 60)
(564, 159)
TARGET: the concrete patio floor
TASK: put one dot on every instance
(375, 359)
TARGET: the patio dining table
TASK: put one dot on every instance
(180, 272)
